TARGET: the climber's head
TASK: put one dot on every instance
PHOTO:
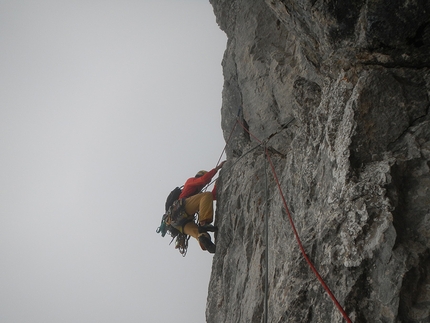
(201, 173)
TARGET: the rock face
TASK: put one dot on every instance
(339, 93)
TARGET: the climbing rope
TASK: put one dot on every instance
(266, 242)
(225, 146)
(321, 280)
(229, 137)
(315, 271)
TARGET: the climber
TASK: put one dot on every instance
(195, 201)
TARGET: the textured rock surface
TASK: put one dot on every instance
(351, 80)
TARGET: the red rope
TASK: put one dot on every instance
(327, 289)
(320, 279)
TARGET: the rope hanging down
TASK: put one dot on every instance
(229, 137)
(225, 146)
(315, 271)
(266, 242)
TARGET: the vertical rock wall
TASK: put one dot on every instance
(343, 87)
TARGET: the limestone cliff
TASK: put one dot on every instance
(343, 86)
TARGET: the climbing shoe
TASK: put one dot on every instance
(206, 243)
(207, 228)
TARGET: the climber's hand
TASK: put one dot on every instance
(220, 165)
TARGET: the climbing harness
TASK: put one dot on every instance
(175, 217)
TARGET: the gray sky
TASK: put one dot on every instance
(105, 106)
